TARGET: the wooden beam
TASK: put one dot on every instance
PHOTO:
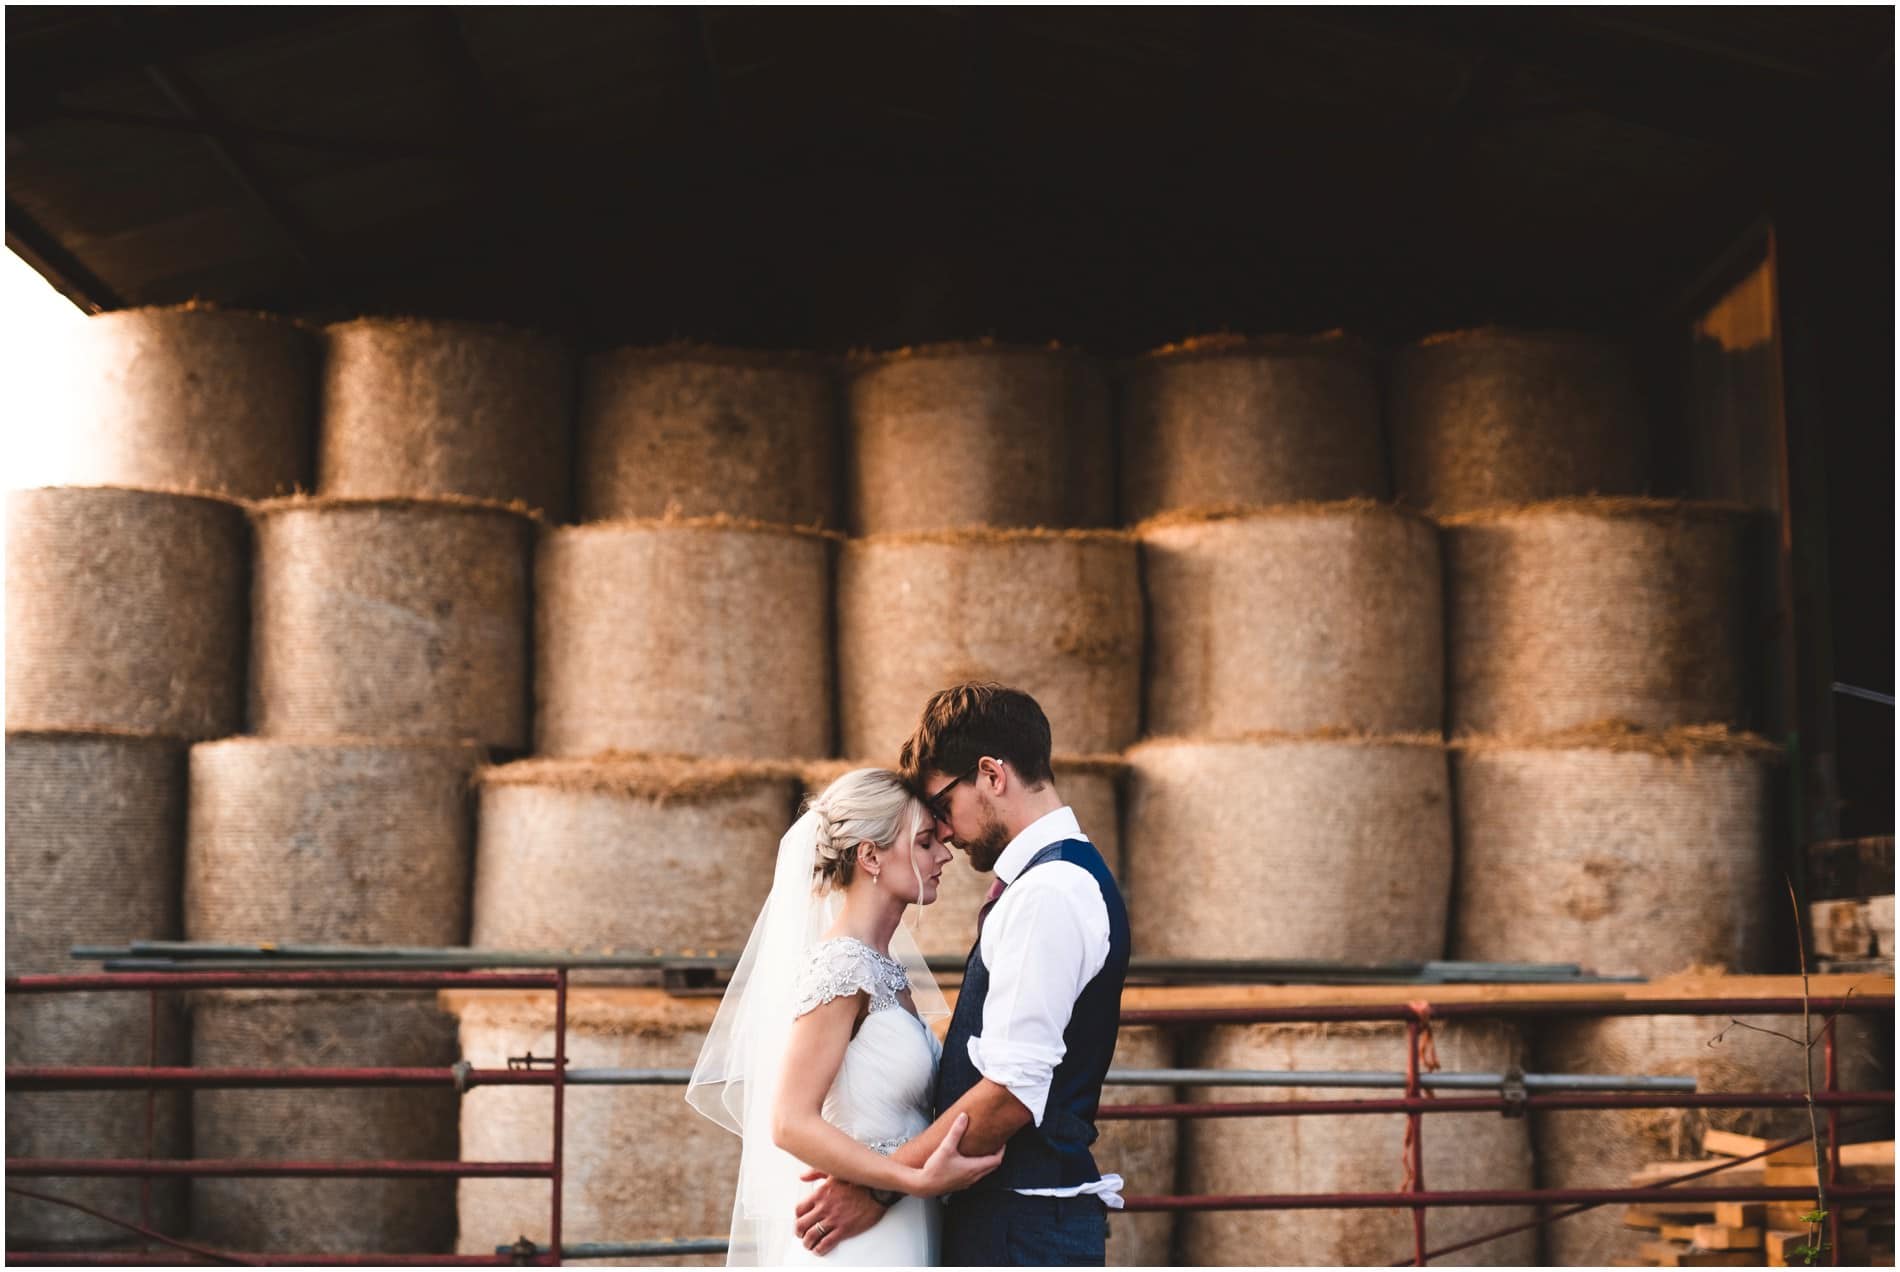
(637, 1000)
(97, 44)
(364, 147)
(45, 253)
(272, 207)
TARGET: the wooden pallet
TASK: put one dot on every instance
(1747, 1234)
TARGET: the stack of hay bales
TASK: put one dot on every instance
(326, 841)
(978, 475)
(125, 642)
(94, 828)
(1599, 664)
(1609, 811)
(700, 643)
(1144, 1152)
(642, 1164)
(390, 622)
(683, 670)
(1294, 699)
(1294, 695)
(1339, 1153)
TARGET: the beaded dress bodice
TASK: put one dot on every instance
(881, 1096)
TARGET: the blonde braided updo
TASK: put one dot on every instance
(865, 806)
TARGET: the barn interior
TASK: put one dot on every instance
(1118, 180)
(1711, 189)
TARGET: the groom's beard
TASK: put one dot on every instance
(988, 843)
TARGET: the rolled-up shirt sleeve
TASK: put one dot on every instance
(1046, 939)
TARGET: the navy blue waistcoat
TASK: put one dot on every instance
(1056, 1153)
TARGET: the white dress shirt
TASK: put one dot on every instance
(1043, 941)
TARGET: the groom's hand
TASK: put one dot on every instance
(834, 1211)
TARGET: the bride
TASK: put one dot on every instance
(820, 1057)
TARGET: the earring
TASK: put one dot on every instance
(874, 882)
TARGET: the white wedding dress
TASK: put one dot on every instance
(881, 1098)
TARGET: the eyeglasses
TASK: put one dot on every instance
(935, 803)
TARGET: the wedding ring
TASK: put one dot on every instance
(819, 1228)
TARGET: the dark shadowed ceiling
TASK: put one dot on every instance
(824, 178)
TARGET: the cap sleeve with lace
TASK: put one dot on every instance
(844, 966)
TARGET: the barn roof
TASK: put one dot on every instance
(831, 177)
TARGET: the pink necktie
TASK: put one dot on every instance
(989, 902)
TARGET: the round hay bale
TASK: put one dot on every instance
(1574, 849)
(626, 854)
(1229, 420)
(1495, 416)
(693, 431)
(301, 1029)
(93, 827)
(641, 1163)
(1576, 611)
(329, 843)
(1142, 1152)
(705, 636)
(1092, 786)
(126, 610)
(1359, 826)
(191, 398)
(1056, 614)
(391, 618)
(1592, 1148)
(960, 435)
(1301, 618)
(424, 407)
(1349, 1153)
(93, 1029)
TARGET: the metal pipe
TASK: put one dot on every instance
(128, 1077)
(1375, 1080)
(1830, 1079)
(1869, 695)
(156, 1258)
(1251, 1077)
(628, 1249)
(1858, 1004)
(1489, 1197)
(1414, 1139)
(151, 1109)
(241, 1168)
(25, 1078)
(560, 1118)
(1489, 1104)
(118, 981)
(275, 954)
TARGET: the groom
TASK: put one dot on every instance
(1036, 1019)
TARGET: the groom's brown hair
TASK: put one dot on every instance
(966, 722)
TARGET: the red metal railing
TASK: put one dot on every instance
(155, 1077)
(1414, 1104)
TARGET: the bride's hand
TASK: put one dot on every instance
(948, 1170)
